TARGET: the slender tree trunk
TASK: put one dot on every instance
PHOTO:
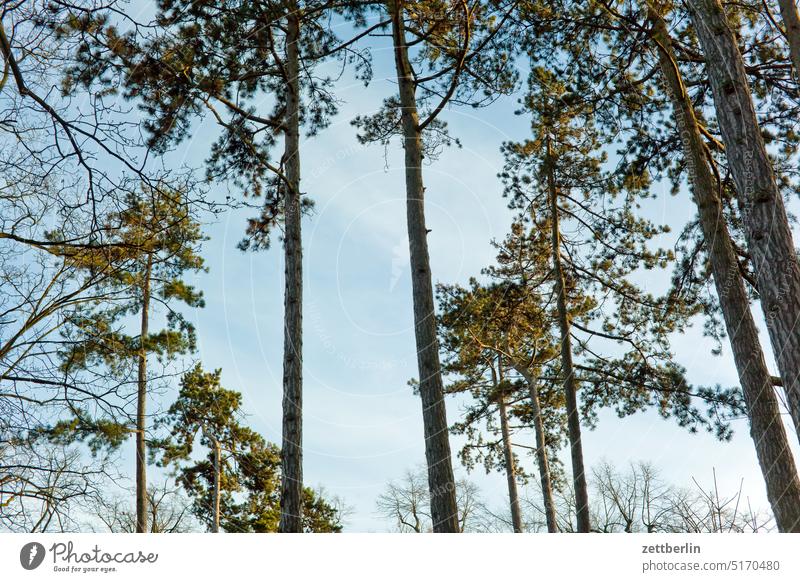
(791, 20)
(217, 469)
(508, 454)
(567, 369)
(541, 451)
(141, 405)
(769, 237)
(444, 510)
(292, 444)
(766, 428)
(511, 470)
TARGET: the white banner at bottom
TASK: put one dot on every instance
(401, 557)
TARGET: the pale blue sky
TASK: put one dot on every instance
(362, 424)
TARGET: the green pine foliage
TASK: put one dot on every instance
(205, 412)
(622, 331)
(154, 237)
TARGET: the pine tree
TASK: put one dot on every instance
(498, 346)
(791, 23)
(619, 333)
(156, 244)
(206, 58)
(460, 55)
(767, 230)
(634, 103)
(236, 486)
(766, 427)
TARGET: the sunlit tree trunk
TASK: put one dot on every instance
(766, 428)
(769, 237)
(444, 511)
(567, 369)
(541, 451)
(141, 405)
(217, 479)
(791, 23)
(508, 453)
(292, 443)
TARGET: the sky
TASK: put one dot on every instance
(362, 423)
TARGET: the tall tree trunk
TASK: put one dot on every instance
(508, 454)
(791, 20)
(769, 237)
(567, 368)
(444, 510)
(292, 443)
(141, 405)
(541, 451)
(217, 479)
(766, 429)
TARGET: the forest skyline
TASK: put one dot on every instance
(509, 227)
(339, 190)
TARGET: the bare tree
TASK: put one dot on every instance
(169, 512)
(639, 500)
(43, 487)
(407, 503)
(67, 159)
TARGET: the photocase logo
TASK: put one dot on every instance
(31, 555)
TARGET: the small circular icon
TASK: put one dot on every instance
(31, 555)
